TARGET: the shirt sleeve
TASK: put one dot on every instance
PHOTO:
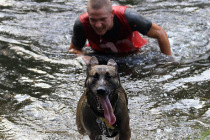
(137, 22)
(78, 36)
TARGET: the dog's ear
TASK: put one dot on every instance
(93, 61)
(111, 62)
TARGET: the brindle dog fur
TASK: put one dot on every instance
(104, 97)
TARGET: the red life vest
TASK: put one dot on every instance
(122, 42)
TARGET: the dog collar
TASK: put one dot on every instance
(106, 129)
(106, 123)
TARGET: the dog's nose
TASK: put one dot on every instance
(101, 91)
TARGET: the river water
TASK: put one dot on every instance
(40, 83)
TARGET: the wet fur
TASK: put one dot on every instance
(87, 112)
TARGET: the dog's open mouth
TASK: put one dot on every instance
(99, 105)
(105, 105)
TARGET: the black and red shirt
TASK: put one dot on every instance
(127, 25)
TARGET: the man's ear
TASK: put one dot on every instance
(112, 14)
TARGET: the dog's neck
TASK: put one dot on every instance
(105, 128)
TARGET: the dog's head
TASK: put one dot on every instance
(102, 82)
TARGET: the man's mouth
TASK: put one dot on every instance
(101, 30)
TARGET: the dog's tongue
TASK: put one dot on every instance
(108, 111)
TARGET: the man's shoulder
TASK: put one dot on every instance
(84, 18)
(132, 12)
(119, 9)
(78, 23)
(84, 15)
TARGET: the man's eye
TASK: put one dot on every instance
(103, 19)
(92, 20)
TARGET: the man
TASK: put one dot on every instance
(114, 30)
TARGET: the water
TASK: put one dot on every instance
(40, 83)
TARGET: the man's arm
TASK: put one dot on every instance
(78, 41)
(158, 33)
(146, 27)
(78, 38)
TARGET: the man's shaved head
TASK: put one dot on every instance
(97, 4)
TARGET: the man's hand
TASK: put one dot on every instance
(73, 49)
(110, 46)
(79, 53)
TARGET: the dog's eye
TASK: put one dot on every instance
(108, 76)
(96, 76)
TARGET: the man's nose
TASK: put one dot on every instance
(98, 24)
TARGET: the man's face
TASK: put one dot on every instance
(101, 20)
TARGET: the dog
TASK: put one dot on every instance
(102, 109)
